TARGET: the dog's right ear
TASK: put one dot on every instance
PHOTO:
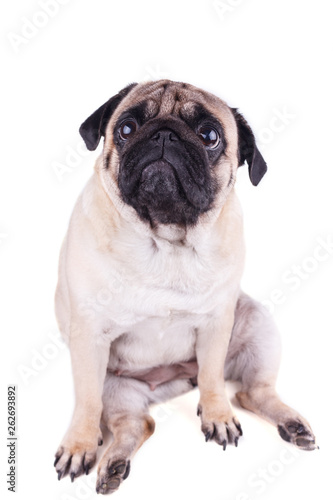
(93, 128)
(247, 149)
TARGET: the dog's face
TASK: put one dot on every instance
(171, 150)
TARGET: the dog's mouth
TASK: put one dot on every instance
(158, 168)
(163, 195)
(160, 179)
(166, 178)
(160, 194)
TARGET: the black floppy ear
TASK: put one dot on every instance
(248, 151)
(94, 127)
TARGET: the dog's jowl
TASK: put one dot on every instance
(160, 214)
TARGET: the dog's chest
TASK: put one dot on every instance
(168, 283)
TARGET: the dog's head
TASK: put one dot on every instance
(171, 150)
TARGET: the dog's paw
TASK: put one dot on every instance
(219, 426)
(76, 455)
(111, 475)
(298, 433)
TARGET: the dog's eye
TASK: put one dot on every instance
(127, 129)
(209, 137)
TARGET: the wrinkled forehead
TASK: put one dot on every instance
(165, 97)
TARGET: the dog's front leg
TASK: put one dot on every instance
(218, 422)
(89, 356)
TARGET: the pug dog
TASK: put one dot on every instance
(148, 297)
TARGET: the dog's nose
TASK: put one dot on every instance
(164, 136)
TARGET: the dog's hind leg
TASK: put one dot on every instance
(126, 414)
(129, 431)
(253, 358)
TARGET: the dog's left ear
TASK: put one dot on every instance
(94, 127)
(248, 151)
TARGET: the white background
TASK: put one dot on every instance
(264, 57)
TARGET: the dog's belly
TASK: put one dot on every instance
(162, 373)
(156, 350)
